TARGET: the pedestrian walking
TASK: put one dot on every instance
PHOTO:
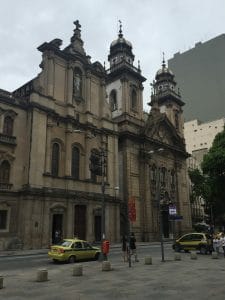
(222, 239)
(57, 236)
(216, 244)
(124, 248)
(132, 245)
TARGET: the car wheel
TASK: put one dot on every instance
(203, 250)
(96, 256)
(177, 248)
(72, 259)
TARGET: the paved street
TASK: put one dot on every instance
(186, 279)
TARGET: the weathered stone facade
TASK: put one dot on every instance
(49, 127)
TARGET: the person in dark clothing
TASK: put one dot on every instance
(132, 245)
(124, 248)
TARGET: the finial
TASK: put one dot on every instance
(76, 30)
(139, 67)
(120, 31)
(77, 24)
(163, 62)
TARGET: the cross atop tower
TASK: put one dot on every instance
(77, 24)
(120, 31)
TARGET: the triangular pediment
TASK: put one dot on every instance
(158, 127)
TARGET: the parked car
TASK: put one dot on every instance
(72, 250)
(194, 241)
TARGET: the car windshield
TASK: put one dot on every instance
(65, 243)
(87, 245)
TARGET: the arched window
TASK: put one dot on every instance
(133, 99)
(55, 159)
(176, 116)
(75, 163)
(8, 126)
(4, 172)
(77, 83)
(113, 100)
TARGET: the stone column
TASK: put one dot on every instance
(70, 84)
(90, 223)
(87, 91)
(70, 219)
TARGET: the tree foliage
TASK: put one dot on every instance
(210, 183)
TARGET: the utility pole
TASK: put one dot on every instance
(103, 171)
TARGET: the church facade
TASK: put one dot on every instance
(51, 126)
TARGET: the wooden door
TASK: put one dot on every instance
(80, 222)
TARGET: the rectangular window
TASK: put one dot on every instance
(3, 219)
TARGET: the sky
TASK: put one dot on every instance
(152, 26)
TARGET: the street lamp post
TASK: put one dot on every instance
(103, 173)
(98, 167)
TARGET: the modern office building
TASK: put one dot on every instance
(199, 136)
(200, 74)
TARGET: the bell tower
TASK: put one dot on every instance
(124, 80)
(166, 98)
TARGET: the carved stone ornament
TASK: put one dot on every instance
(78, 99)
(6, 156)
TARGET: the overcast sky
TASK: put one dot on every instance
(152, 26)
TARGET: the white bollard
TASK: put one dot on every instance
(193, 255)
(42, 275)
(177, 256)
(78, 270)
(148, 260)
(106, 266)
(1, 282)
(215, 255)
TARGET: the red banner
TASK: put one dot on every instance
(132, 209)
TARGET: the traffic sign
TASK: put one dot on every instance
(172, 210)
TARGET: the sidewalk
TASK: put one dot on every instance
(195, 279)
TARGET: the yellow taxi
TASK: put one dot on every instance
(194, 241)
(72, 250)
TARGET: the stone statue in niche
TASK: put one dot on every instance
(77, 84)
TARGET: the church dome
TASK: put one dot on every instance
(164, 72)
(120, 50)
(119, 41)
